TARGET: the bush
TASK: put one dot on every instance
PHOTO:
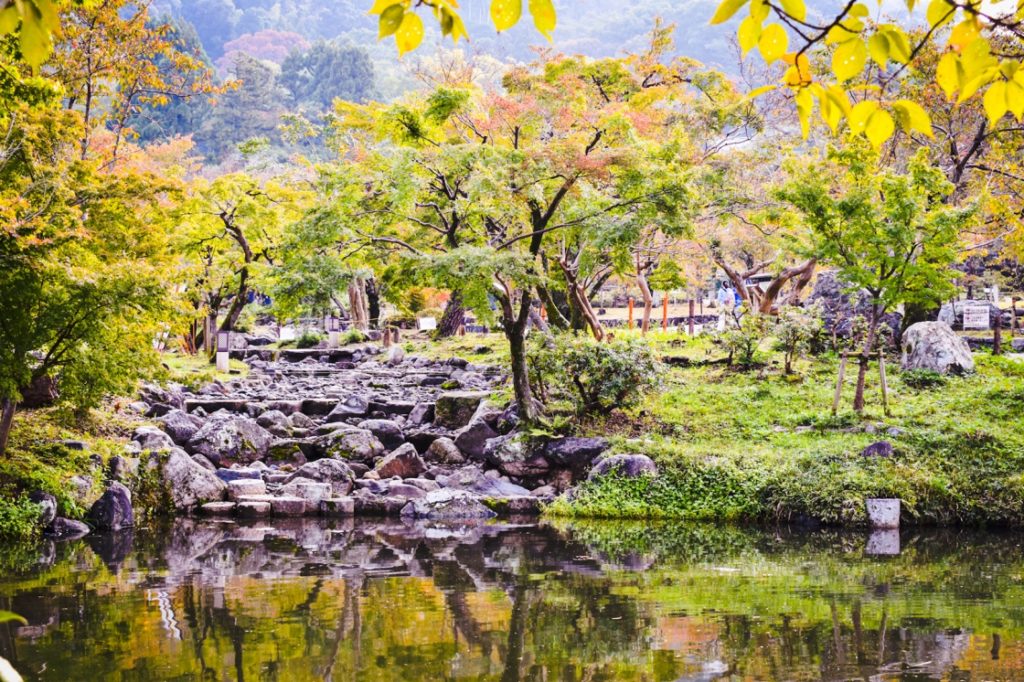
(352, 336)
(795, 330)
(18, 518)
(594, 376)
(742, 340)
(922, 378)
(309, 339)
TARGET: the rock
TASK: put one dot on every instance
(122, 469)
(288, 506)
(152, 439)
(511, 456)
(301, 421)
(387, 432)
(81, 489)
(42, 392)
(204, 462)
(934, 346)
(422, 413)
(395, 355)
(226, 438)
(454, 409)
(337, 506)
(447, 505)
(158, 410)
(544, 491)
(839, 308)
(882, 448)
(368, 504)
(471, 439)
(240, 473)
(310, 491)
(575, 453)
(276, 422)
(351, 406)
(349, 443)
(445, 451)
(245, 487)
(218, 508)
(253, 509)
(627, 466)
(524, 505)
(424, 484)
(404, 462)
(65, 529)
(508, 420)
(113, 511)
(185, 483)
(288, 451)
(74, 444)
(47, 504)
(410, 492)
(332, 471)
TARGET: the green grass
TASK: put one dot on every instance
(196, 370)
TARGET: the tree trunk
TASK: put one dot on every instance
(357, 305)
(454, 316)
(580, 302)
(645, 292)
(556, 314)
(372, 303)
(238, 303)
(7, 407)
(515, 332)
(865, 358)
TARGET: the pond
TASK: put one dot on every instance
(364, 600)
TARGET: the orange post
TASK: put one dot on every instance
(664, 312)
(629, 302)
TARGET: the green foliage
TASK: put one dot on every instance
(922, 378)
(597, 376)
(309, 339)
(795, 330)
(743, 339)
(352, 336)
(328, 71)
(19, 518)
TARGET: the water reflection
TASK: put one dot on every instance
(308, 600)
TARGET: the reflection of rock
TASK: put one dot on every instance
(883, 543)
(113, 547)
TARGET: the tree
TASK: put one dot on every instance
(327, 71)
(890, 234)
(252, 111)
(982, 52)
(81, 256)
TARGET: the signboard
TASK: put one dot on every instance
(287, 334)
(976, 317)
(427, 324)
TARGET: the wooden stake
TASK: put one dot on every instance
(664, 312)
(997, 335)
(386, 338)
(839, 384)
(1014, 324)
(629, 302)
(885, 385)
(691, 316)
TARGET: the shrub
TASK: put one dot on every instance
(594, 376)
(795, 329)
(742, 340)
(922, 378)
(352, 336)
(309, 339)
(18, 518)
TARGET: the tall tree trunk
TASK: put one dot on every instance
(515, 332)
(454, 316)
(357, 305)
(372, 303)
(580, 302)
(238, 303)
(645, 292)
(865, 358)
(556, 313)
(7, 407)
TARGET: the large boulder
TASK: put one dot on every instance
(47, 504)
(348, 442)
(152, 439)
(935, 346)
(404, 462)
(471, 440)
(454, 409)
(513, 457)
(228, 438)
(840, 307)
(626, 466)
(447, 505)
(388, 432)
(182, 482)
(113, 511)
(180, 426)
(276, 422)
(351, 406)
(332, 471)
(444, 451)
(574, 453)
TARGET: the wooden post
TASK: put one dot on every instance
(386, 338)
(629, 304)
(692, 305)
(839, 384)
(1014, 324)
(394, 334)
(997, 335)
(462, 330)
(702, 304)
(885, 385)
(664, 311)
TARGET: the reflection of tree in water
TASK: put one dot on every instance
(378, 601)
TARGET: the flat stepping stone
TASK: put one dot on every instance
(338, 506)
(244, 487)
(252, 509)
(211, 405)
(218, 508)
(287, 506)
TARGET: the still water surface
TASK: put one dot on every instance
(594, 601)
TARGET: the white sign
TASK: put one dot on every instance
(976, 317)
(427, 324)
(287, 334)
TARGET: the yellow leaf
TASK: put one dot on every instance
(759, 10)
(505, 13)
(795, 8)
(726, 10)
(410, 34)
(963, 34)
(878, 48)
(848, 59)
(1015, 99)
(544, 17)
(390, 20)
(839, 98)
(1009, 68)
(899, 44)
(995, 102)
(912, 116)
(859, 10)
(939, 12)
(840, 34)
(972, 85)
(946, 74)
(804, 105)
(380, 5)
(799, 72)
(773, 42)
(879, 128)
(748, 33)
(859, 115)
